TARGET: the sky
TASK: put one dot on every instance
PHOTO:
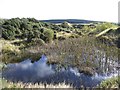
(98, 10)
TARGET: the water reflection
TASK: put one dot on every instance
(39, 71)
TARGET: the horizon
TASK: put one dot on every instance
(62, 19)
(106, 11)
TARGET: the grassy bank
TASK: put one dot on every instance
(113, 82)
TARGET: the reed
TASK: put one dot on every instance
(36, 85)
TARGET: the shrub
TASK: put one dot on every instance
(65, 25)
(48, 34)
(8, 32)
(102, 26)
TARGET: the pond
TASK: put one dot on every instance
(40, 72)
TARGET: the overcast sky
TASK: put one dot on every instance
(100, 10)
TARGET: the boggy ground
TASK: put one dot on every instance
(85, 53)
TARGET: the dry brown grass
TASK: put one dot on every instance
(36, 85)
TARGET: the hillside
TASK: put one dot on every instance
(18, 35)
(30, 28)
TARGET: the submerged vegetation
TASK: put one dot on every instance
(78, 45)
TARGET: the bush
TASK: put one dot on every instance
(8, 32)
(48, 34)
(102, 26)
(65, 25)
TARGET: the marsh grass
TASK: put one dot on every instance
(110, 83)
(86, 53)
(7, 84)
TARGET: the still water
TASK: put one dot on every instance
(41, 72)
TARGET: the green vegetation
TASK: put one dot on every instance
(48, 35)
(20, 34)
(16, 50)
(110, 83)
(65, 44)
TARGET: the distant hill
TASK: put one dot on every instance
(75, 21)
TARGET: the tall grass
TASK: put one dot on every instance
(110, 83)
(86, 53)
(8, 84)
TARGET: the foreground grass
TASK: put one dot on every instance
(113, 82)
(7, 84)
